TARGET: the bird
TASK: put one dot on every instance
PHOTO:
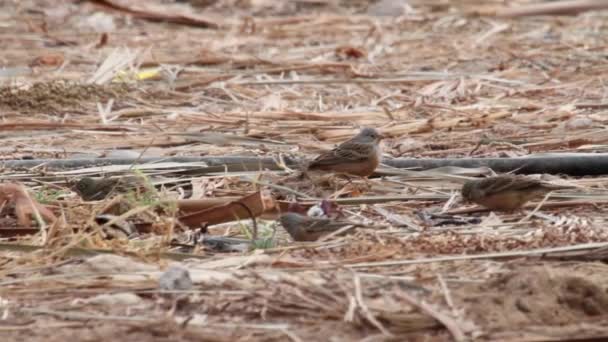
(93, 189)
(506, 192)
(359, 156)
(305, 228)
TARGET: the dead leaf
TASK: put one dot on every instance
(51, 60)
(25, 206)
(103, 41)
(350, 52)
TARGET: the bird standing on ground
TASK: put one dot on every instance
(306, 228)
(359, 156)
(93, 189)
(506, 192)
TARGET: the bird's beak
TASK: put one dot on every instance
(381, 136)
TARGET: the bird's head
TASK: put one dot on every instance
(469, 190)
(292, 221)
(369, 134)
(84, 185)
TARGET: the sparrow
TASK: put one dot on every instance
(93, 189)
(359, 156)
(306, 228)
(506, 192)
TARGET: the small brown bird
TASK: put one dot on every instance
(506, 192)
(93, 189)
(306, 228)
(359, 156)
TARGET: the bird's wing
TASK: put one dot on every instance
(348, 152)
(506, 183)
(317, 225)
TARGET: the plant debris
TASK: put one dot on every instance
(57, 95)
(219, 106)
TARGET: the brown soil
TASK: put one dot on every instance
(539, 295)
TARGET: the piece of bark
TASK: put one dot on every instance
(247, 207)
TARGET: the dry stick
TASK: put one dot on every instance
(446, 292)
(86, 316)
(254, 235)
(540, 204)
(532, 205)
(347, 81)
(364, 309)
(45, 326)
(291, 335)
(278, 187)
(337, 232)
(554, 8)
(448, 322)
(591, 105)
(80, 251)
(531, 252)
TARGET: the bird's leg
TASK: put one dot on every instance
(368, 182)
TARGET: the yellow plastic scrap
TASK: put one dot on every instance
(142, 74)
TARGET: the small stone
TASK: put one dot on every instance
(579, 123)
(387, 8)
(175, 278)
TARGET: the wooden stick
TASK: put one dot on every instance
(448, 322)
(500, 255)
(573, 7)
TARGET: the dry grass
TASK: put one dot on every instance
(290, 79)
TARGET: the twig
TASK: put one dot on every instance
(446, 292)
(556, 204)
(563, 7)
(79, 251)
(254, 236)
(533, 252)
(279, 187)
(450, 324)
(365, 310)
(540, 204)
(337, 232)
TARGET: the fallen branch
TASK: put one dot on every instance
(574, 164)
(188, 20)
(541, 252)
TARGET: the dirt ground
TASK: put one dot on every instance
(290, 79)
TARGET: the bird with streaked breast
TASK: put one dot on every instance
(306, 228)
(359, 156)
(506, 192)
(94, 189)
